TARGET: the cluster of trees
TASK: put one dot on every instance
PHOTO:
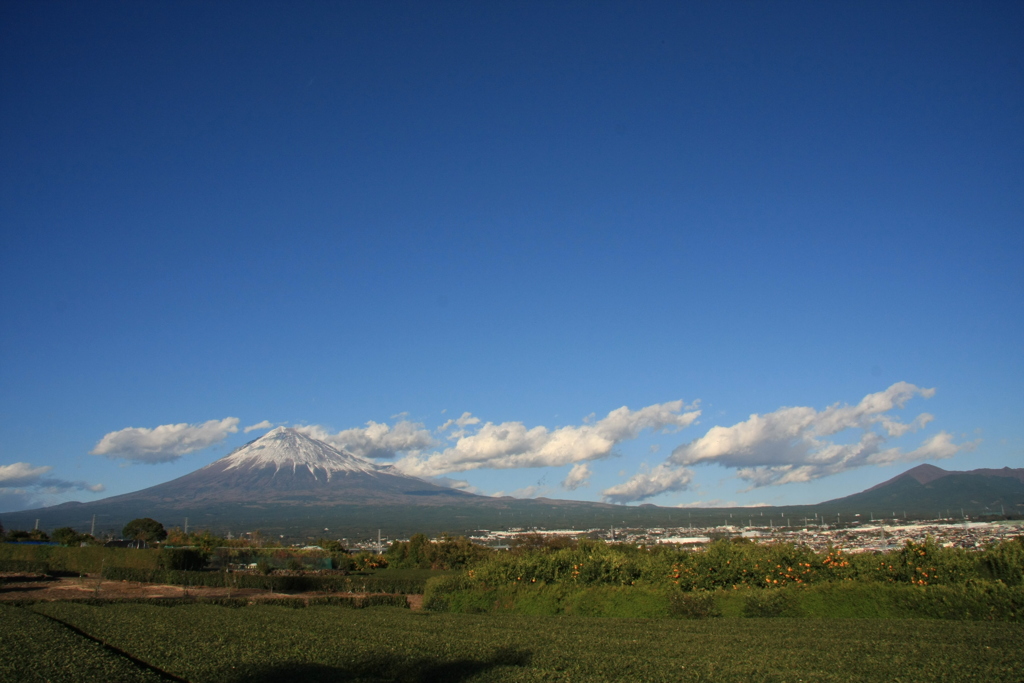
(65, 536)
(144, 529)
(419, 552)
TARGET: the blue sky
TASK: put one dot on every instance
(370, 219)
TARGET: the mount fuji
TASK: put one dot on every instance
(290, 484)
(287, 467)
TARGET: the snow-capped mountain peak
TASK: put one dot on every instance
(286, 449)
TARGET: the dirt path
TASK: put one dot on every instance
(42, 587)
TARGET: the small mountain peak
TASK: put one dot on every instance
(926, 473)
(923, 474)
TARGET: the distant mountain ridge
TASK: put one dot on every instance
(290, 484)
(930, 491)
(926, 474)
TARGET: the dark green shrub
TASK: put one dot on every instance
(24, 566)
(382, 601)
(380, 583)
(771, 603)
(1004, 562)
(696, 605)
(977, 600)
(182, 559)
(69, 537)
(438, 591)
(342, 561)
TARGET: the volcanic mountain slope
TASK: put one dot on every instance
(930, 491)
(285, 466)
(286, 482)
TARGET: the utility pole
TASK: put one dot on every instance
(92, 529)
(186, 526)
(37, 525)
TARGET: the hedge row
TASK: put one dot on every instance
(62, 560)
(333, 600)
(975, 601)
(337, 584)
(24, 566)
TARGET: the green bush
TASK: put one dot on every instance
(982, 600)
(447, 553)
(438, 591)
(601, 601)
(342, 561)
(694, 605)
(1004, 562)
(920, 564)
(182, 559)
(771, 603)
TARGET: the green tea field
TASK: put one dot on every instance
(208, 643)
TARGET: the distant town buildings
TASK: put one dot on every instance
(854, 538)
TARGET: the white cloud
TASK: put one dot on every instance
(165, 443)
(21, 474)
(578, 476)
(938, 447)
(535, 491)
(265, 424)
(511, 445)
(377, 439)
(790, 444)
(466, 420)
(644, 484)
(21, 485)
(717, 503)
(460, 484)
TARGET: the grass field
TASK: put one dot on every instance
(272, 643)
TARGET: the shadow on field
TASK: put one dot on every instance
(381, 669)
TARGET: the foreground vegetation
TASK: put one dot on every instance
(983, 601)
(735, 611)
(740, 578)
(268, 643)
(738, 563)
